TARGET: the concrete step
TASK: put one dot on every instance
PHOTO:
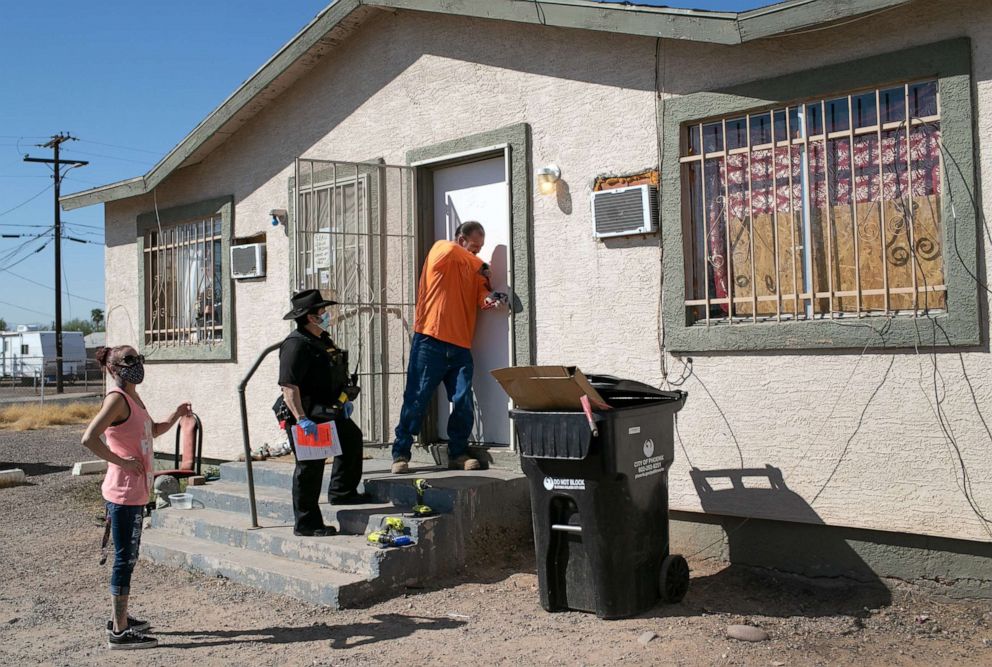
(301, 580)
(345, 553)
(451, 488)
(277, 504)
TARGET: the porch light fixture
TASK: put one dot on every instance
(279, 215)
(547, 177)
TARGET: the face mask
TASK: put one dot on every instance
(133, 374)
(325, 321)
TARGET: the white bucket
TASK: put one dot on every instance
(181, 501)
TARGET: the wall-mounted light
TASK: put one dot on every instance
(547, 178)
(279, 216)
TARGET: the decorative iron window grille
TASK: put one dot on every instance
(353, 237)
(183, 283)
(826, 208)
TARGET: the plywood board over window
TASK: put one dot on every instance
(824, 197)
(813, 210)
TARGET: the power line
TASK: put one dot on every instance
(26, 257)
(124, 148)
(78, 240)
(88, 232)
(110, 157)
(49, 287)
(13, 253)
(31, 199)
(79, 224)
(14, 305)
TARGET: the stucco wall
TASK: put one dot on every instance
(408, 80)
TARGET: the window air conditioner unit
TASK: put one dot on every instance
(624, 211)
(248, 260)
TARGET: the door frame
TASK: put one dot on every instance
(514, 143)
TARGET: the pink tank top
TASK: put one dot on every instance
(132, 438)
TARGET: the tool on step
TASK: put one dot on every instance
(420, 510)
(394, 523)
(385, 539)
(393, 532)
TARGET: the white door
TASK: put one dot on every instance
(478, 191)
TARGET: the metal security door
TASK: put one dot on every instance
(353, 237)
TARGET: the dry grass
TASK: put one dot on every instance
(30, 417)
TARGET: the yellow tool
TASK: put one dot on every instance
(394, 523)
(392, 532)
(421, 510)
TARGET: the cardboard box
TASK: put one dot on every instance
(548, 387)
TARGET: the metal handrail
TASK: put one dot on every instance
(244, 428)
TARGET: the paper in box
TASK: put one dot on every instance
(548, 387)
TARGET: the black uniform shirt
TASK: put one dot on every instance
(315, 365)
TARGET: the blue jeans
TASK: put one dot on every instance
(125, 527)
(432, 362)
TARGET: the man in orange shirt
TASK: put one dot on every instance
(453, 286)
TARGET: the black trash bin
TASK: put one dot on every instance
(600, 502)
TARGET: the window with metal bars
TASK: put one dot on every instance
(184, 298)
(823, 209)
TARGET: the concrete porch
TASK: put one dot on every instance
(477, 511)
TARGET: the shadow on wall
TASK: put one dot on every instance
(794, 546)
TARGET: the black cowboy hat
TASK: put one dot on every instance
(305, 301)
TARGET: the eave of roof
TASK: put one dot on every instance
(341, 17)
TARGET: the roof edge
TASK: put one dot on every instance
(726, 28)
(324, 22)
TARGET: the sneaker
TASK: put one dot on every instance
(352, 499)
(400, 466)
(326, 531)
(132, 623)
(464, 462)
(130, 639)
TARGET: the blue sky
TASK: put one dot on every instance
(130, 80)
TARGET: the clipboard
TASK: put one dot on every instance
(326, 444)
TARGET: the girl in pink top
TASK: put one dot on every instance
(121, 434)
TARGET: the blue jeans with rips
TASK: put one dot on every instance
(432, 362)
(125, 528)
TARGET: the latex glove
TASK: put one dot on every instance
(308, 426)
(348, 408)
(495, 301)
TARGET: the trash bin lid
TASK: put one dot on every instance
(612, 387)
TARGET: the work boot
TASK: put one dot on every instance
(464, 462)
(400, 466)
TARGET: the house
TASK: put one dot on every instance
(29, 352)
(816, 279)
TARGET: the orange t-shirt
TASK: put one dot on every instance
(450, 293)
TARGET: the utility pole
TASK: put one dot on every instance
(57, 175)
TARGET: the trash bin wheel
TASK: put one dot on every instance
(673, 582)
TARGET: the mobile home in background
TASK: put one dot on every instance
(30, 352)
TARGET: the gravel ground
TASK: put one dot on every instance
(53, 604)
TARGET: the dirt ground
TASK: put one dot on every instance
(53, 605)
